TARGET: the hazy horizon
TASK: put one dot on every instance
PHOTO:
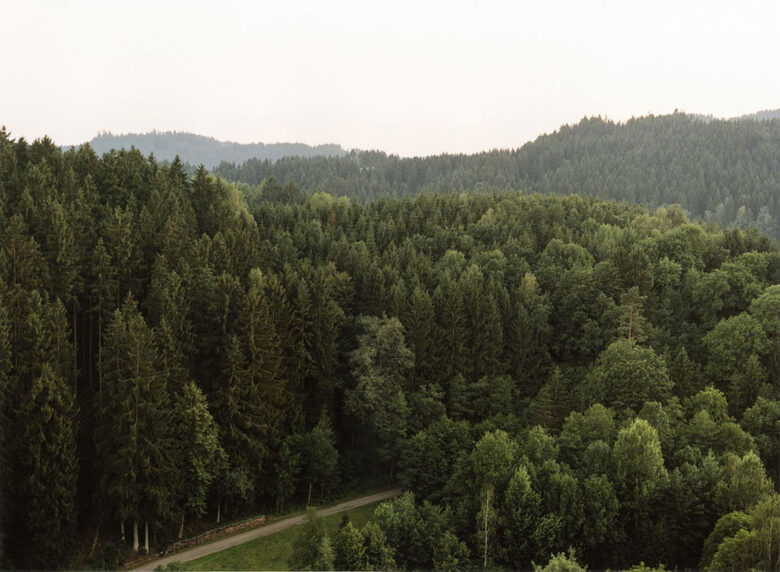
(408, 78)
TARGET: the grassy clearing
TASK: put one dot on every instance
(273, 552)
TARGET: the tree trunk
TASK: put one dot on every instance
(135, 535)
(100, 358)
(487, 511)
(122, 529)
(95, 541)
(91, 350)
(146, 537)
(75, 351)
(308, 500)
(181, 525)
(219, 510)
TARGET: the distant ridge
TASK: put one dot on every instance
(199, 149)
(764, 115)
(721, 171)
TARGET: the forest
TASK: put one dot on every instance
(542, 374)
(207, 151)
(722, 171)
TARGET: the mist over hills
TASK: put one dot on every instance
(199, 149)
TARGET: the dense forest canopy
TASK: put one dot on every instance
(543, 374)
(201, 150)
(724, 171)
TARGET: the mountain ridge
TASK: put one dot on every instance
(201, 149)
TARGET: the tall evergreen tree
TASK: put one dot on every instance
(133, 435)
(46, 495)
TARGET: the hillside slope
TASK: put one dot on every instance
(725, 171)
(198, 149)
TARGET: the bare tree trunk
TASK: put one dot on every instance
(181, 525)
(308, 500)
(135, 535)
(90, 357)
(219, 510)
(100, 357)
(95, 541)
(487, 511)
(488, 502)
(146, 536)
(75, 351)
(122, 529)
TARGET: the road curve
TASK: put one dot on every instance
(264, 530)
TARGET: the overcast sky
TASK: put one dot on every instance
(407, 77)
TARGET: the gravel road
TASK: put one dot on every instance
(264, 530)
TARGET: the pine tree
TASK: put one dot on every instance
(632, 322)
(134, 432)
(239, 410)
(552, 403)
(263, 372)
(5, 384)
(198, 453)
(419, 323)
(47, 490)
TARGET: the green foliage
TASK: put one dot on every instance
(349, 549)
(748, 542)
(319, 457)
(381, 365)
(626, 375)
(744, 482)
(762, 422)
(429, 457)
(731, 343)
(312, 549)
(640, 476)
(134, 431)
(50, 468)
(653, 160)
(727, 526)
(199, 453)
(321, 341)
(561, 562)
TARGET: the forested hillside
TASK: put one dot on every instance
(200, 150)
(541, 373)
(763, 115)
(725, 171)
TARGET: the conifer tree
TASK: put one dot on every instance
(552, 402)
(46, 497)
(419, 323)
(198, 453)
(134, 433)
(239, 410)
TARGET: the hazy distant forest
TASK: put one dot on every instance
(543, 374)
(207, 151)
(723, 171)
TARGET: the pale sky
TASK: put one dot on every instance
(407, 77)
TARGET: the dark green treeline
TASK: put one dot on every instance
(722, 171)
(175, 349)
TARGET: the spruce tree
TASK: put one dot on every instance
(198, 453)
(49, 469)
(134, 432)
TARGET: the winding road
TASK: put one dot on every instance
(264, 530)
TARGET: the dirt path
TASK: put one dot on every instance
(270, 528)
